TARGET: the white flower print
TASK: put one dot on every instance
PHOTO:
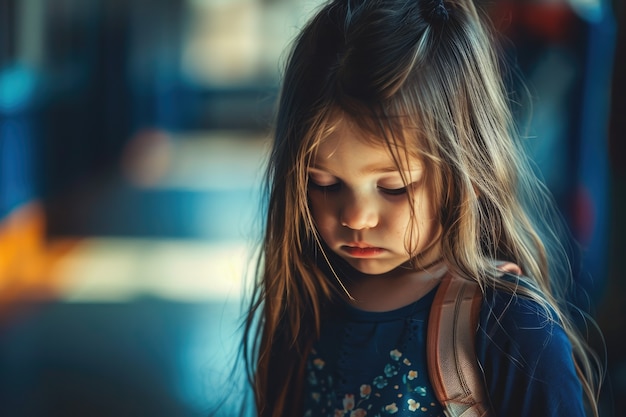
(413, 405)
(348, 402)
(391, 408)
(395, 354)
(318, 363)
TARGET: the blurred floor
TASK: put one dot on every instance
(145, 357)
(140, 312)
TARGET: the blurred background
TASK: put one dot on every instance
(133, 135)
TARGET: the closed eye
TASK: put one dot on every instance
(393, 191)
(328, 188)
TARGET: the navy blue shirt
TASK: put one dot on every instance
(374, 364)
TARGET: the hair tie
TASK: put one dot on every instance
(439, 13)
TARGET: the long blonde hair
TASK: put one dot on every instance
(430, 84)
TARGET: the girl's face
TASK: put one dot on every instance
(359, 203)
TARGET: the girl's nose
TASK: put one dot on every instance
(359, 212)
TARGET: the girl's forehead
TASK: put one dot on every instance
(401, 139)
(349, 143)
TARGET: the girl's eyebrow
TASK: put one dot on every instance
(374, 169)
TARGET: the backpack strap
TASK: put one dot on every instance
(451, 355)
(453, 368)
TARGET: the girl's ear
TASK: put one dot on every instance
(509, 268)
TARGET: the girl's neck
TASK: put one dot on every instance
(395, 289)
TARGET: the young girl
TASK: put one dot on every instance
(395, 163)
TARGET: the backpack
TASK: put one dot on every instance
(454, 371)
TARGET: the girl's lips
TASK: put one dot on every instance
(362, 252)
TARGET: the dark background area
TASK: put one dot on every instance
(131, 138)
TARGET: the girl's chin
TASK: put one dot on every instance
(374, 267)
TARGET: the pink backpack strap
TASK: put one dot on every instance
(453, 367)
(452, 364)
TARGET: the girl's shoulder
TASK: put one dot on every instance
(527, 358)
(515, 319)
(515, 311)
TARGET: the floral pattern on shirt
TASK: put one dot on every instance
(397, 391)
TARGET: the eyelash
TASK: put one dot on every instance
(325, 188)
(336, 186)
(394, 191)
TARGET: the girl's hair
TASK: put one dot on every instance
(424, 78)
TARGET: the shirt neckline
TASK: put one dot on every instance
(423, 303)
